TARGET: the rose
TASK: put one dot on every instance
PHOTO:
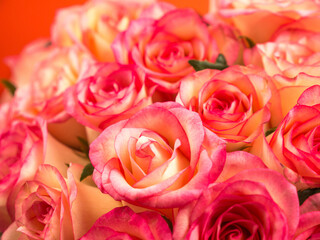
(125, 224)
(43, 95)
(248, 16)
(295, 141)
(309, 227)
(164, 46)
(52, 207)
(293, 148)
(22, 66)
(94, 25)
(233, 103)
(161, 157)
(21, 151)
(253, 204)
(292, 59)
(115, 92)
(291, 52)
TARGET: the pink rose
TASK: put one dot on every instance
(162, 157)
(163, 47)
(233, 103)
(123, 223)
(94, 25)
(254, 204)
(115, 92)
(260, 19)
(309, 223)
(21, 151)
(52, 207)
(293, 148)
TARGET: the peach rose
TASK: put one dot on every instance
(21, 150)
(291, 52)
(123, 223)
(254, 204)
(23, 65)
(42, 96)
(52, 207)
(161, 157)
(309, 223)
(115, 92)
(233, 103)
(293, 148)
(260, 19)
(163, 47)
(95, 24)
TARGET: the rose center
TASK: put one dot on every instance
(224, 101)
(41, 212)
(151, 154)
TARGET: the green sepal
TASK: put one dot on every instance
(9, 85)
(84, 146)
(168, 222)
(220, 64)
(87, 171)
(270, 131)
(249, 41)
(304, 194)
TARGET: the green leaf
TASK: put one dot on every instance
(220, 64)
(304, 194)
(84, 146)
(168, 222)
(9, 85)
(221, 60)
(87, 171)
(250, 43)
(270, 131)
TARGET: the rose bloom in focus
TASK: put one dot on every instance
(123, 223)
(161, 157)
(162, 47)
(233, 103)
(94, 25)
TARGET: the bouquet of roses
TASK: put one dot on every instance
(140, 120)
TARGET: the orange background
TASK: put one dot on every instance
(22, 21)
